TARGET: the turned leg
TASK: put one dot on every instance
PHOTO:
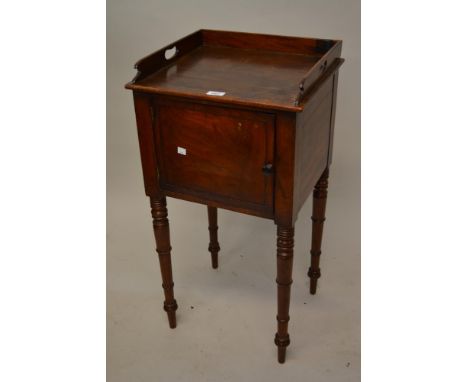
(284, 254)
(318, 218)
(213, 228)
(163, 247)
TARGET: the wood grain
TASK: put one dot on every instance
(285, 156)
(266, 42)
(264, 71)
(157, 60)
(246, 76)
(144, 120)
(332, 118)
(313, 134)
(225, 151)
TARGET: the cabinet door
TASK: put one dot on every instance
(215, 152)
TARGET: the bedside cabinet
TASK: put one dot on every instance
(243, 122)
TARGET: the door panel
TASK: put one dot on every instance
(215, 150)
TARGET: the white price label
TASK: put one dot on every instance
(215, 93)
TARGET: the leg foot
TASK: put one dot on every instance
(281, 354)
(163, 247)
(285, 249)
(318, 218)
(171, 315)
(213, 229)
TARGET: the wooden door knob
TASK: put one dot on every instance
(267, 169)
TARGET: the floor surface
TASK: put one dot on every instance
(226, 317)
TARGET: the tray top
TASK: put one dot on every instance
(232, 65)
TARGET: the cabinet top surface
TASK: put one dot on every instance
(238, 68)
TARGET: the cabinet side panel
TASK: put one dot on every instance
(332, 119)
(144, 120)
(312, 141)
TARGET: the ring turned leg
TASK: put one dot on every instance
(213, 228)
(284, 254)
(318, 218)
(163, 247)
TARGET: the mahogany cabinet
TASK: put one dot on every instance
(243, 122)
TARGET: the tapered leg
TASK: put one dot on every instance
(284, 254)
(213, 228)
(318, 218)
(163, 247)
